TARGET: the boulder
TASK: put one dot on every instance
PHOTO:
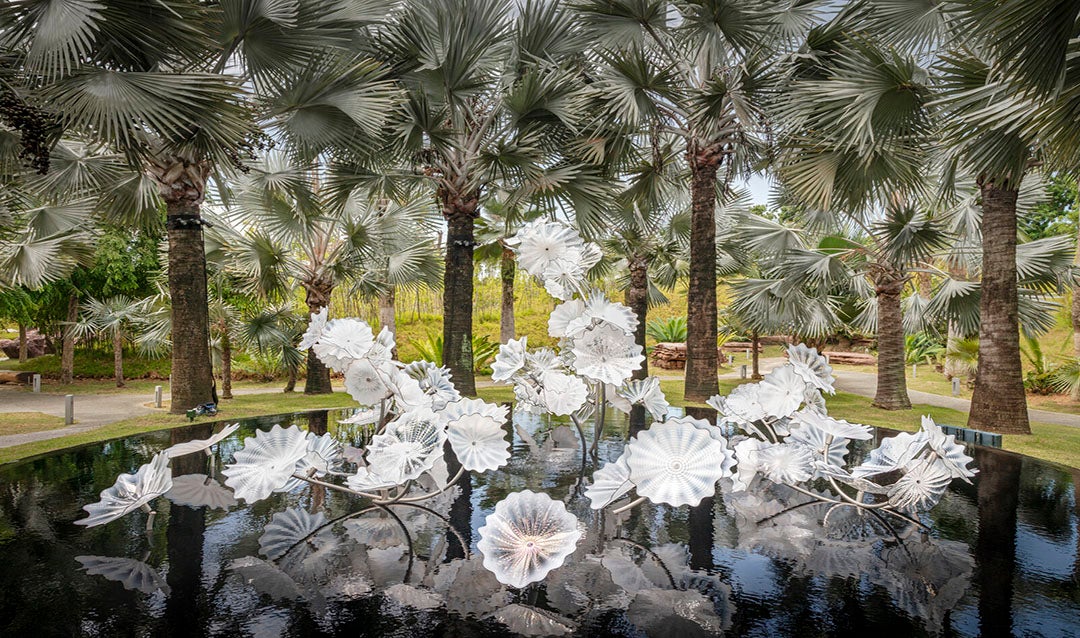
(36, 345)
(851, 358)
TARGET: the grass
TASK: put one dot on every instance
(24, 422)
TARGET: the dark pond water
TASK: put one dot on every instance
(1004, 558)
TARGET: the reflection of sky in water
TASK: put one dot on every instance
(1040, 558)
(751, 574)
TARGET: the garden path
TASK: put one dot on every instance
(92, 411)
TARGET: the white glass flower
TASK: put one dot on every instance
(543, 360)
(435, 382)
(742, 406)
(921, 486)
(199, 490)
(609, 483)
(344, 341)
(647, 392)
(409, 447)
(130, 492)
(781, 392)
(812, 367)
(562, 394)
(677, 463)
(315, 329)
(407, 393)
(607, 354)
(563, 315)
(188, 447)
(366, 383)
(365, 481)
(287, 529)
(836, 428)
(526, 537)
(509, 360)
(479, 442)
(132, 574)
(893, 453)
(565, 276)
(540, 243)
(324, 454)
(598, 309)
(746, 455)
(826, 449)
(266, 462)
(786, 463)
(945, 447)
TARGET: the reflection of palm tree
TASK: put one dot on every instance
(185, 535)
(995, 551)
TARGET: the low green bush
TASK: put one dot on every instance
(96, 364)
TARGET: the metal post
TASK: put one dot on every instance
(157, 396)
(37, 383)
(731, 359)
(748, 353)
(69, 409)
(914, 371)
(742, 371)
(956, 386)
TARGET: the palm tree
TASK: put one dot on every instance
(693, 70)
(855, 135)
(498, 221)
(278, 232)
(113, 318)
(181, 90)
(488, 108)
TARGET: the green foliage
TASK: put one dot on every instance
(484, 351)
(923, 348)
(964, 355)
(1057, 215)
(96, 363)
(671, 330)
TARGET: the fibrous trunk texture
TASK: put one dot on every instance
(182, 184)
(995, 552)
(67, 344)
(118, 358)
(318, 375)
(998, 403)
(701, 363)
(891, 383)
(226, 365)
(507, 272)
(22, 343)
(637, 299)
(460, 213)
(755, 339)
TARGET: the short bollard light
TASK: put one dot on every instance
(37, 383)
(69, 409)
(956, 386)
(914, 371)
(157, 396)
(742, 371)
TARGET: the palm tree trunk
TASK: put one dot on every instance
(387, 310)
(22, 343)
(226, 365)
(755, 339)
(891, 382)
(998, 403)
(67, 343)
(637, 299)
(701, 359)
(118, 357)
(1076, 305)
(183, 185)
(318, 375)
(290, 382)
(460, 213)
(995, 555)
(507, 272)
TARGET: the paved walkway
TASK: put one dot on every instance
(92, 411)
(865, 384)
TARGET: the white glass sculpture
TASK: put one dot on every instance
(677, 463)
(130, 492)
(527, 536)
(266, 462)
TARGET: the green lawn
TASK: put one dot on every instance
(1056, 443)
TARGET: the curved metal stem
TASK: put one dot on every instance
(654, 555)
(629, 506)
(424, 497)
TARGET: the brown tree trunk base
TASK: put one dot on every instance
(460, 214)
(637, 299)
(701, 352)
(507, 273)
(891, 391)
(999, 401)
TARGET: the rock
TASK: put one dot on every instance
(16, 377)
(669, 356)
(739, 346)
(36, 345)
(851, 358)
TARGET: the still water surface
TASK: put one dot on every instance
(1004, 558)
